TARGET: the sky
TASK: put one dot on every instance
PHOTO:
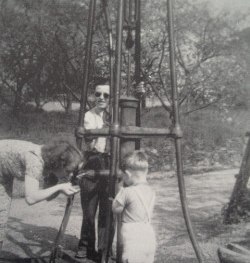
(230, 4)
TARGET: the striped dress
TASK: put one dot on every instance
(18, 159)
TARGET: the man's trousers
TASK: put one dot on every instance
(94, 192)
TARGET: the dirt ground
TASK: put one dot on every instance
(32, 229)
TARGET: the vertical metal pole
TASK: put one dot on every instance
(115, 124)
(138, 59)
(110, 47)
(176, 123)
(129, 24)
(80, 122)
(137, 41)
(128, 73)
(84, 93)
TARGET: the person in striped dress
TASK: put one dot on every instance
(51, 164)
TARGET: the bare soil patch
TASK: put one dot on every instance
(32, 229)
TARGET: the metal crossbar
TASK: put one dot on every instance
(130, 132)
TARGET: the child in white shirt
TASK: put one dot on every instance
(135, 204)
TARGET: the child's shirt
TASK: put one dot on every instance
(137, 201)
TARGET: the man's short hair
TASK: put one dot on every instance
(136, 160)
(100, 81)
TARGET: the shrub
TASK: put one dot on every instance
(208, 138)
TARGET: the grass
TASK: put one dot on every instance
(37, 127)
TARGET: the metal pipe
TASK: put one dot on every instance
(118, 63)
(54, 252)
(110, 48)
(115, 122)
(129, 45)
(84, 93)
(95, 173)
(137, 41)
(128, 73)
(177, 129)
(138, 59)
(127, 132)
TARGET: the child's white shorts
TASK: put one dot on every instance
(138, 241)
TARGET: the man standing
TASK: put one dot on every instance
(94, 191)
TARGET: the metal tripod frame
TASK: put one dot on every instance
(116, 131)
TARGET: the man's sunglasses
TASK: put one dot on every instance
(105, 95)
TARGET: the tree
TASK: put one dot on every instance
(207, 61)
(18, 56)
(43, 48)
(24, 53)
(35, 64)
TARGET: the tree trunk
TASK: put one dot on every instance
(235, 208)
(68, 102)
(18, 100)
(143, 102)
(38, 102)
(37, 91)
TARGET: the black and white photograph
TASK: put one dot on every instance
(124, 131)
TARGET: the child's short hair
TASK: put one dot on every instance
(136, 160)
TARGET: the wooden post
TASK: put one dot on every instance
(229, 256)
(231, 214)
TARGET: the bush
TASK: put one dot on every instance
(209, 139)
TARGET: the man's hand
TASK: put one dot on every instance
(111, 199)
(68, 189)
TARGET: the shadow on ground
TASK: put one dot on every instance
(32, 240)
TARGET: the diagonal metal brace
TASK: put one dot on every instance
(55, 251)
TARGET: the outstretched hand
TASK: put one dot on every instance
(68, 189)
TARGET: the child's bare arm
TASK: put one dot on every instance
(117, 207)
